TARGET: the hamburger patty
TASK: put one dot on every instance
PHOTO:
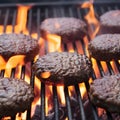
(105, 47)
(16, 96)
(60, 68)
(110, 22)
(18, 44)
(69, 29)
(105, 93)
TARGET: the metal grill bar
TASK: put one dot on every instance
(6, 19)
(37, 14)
(56, 103)
(80, 102)
(67, 98)
(42, 101)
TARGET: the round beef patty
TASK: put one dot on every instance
(105, 47)
(68, 28)
(110, 22)
(60, 68)
(16, 96)
(105, 93)
(18, 44)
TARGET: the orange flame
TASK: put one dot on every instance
(95, 67)
(82, 89)
(60, 90)
(114, 67)
(54, 42)
(45, 74)
(91, 19)
(22, 19)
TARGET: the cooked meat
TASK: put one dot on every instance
(18, 44)
(68, 28)
(105, 47)
(15, 96)
(110, 22)
(60, 68)
(105, 93)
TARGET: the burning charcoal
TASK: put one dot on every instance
(76, 114)
(88, 111)
(36, 115)
(115, 116)
(63, 111)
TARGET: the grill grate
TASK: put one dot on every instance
(37, 14)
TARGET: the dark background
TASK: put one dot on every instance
(35, 1)
(28, 1)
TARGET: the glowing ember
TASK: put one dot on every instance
(54, 44)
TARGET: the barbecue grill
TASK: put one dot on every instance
(37, 13)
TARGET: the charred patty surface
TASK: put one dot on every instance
(15, 96)
(60, 68)
(110, 22)
(105, 92)
(68, 28)
(105, 47)
(18, 44)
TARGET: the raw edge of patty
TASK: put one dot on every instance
(105, 93)
(105, 47)
(63, 68)
(16, 95)
(69, 28)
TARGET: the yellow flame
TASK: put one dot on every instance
(60, 90)
(45, 75)
(54, 42)
(91, 18)
(22, 17)
(82, 89)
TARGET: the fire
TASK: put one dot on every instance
(54, 42)
(19, 27)
(60, 90)
(92, 21)
(70, 47)
(95, 67)
(22, 13)
(17, 61)
(82, 89)
(45, 75)
(114, 67)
